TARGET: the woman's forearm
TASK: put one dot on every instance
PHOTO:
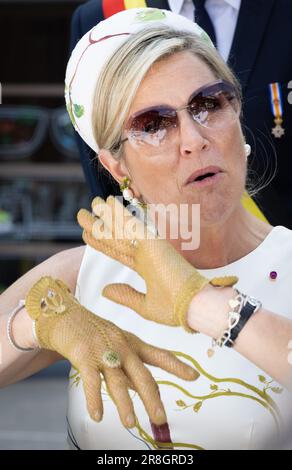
(263, 340)
(16, 365)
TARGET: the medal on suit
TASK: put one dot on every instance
(277, 109)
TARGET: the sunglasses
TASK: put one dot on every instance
(213, 106)
(23, 129)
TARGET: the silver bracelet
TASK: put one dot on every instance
(236, 305)
(20, 305)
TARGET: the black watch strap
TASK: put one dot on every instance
(249, 308)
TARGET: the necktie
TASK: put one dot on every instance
(203, 19)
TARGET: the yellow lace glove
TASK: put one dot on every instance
(94, 345)
(171, 281)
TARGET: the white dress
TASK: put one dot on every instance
(241, 411)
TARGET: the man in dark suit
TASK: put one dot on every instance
(259, 56)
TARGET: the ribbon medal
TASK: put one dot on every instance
(277, 109)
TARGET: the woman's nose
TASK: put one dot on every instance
(192, 135)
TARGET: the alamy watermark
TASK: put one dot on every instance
(171, 222)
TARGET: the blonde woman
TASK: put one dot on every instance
(148, 92)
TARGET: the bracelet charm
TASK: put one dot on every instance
(242, 307)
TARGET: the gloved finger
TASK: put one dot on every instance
(224, 281)
(105, 212)
(124, 294)
(99, 207)
(119, 218)
(94, 226)
(92, 389)
(117, 385)
(102, 238)
(115, 249)
(146, 387)
(162, 358)
(87, 220)
(124, 247)
(129, 384)
(134, 227)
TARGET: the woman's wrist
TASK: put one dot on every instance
(22, 330)
(208, 310)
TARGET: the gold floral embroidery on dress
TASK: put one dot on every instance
(251, 392)
(76, 377)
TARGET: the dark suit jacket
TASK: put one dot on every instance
(260, 55)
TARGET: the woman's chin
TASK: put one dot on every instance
(215, 211)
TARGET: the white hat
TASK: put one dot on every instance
(95, 49)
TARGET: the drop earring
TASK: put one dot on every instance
(247, 149)
(141, 210)
(128, 194)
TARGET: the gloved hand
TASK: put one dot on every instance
(171, 281)
(94, 345)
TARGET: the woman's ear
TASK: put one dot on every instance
(115, 167)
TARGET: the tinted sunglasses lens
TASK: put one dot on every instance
(216, 106)
(21, 131)
(62, 133)
(152, 126)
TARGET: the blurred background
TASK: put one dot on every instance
(42, 186)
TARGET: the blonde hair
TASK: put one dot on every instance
(121, 77)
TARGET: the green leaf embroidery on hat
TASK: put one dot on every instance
(206, 38)
(78, 110)
(149, 14)
(70, 114)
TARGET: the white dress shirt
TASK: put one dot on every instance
(223, 13)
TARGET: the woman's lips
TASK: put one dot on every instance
(208, 181)
(202, 172)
